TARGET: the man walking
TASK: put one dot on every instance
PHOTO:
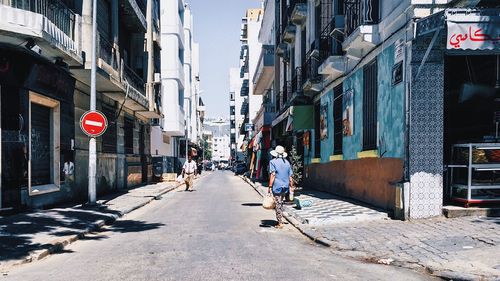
(280, 181)
(188, 173)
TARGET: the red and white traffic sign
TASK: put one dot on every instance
(93, 123)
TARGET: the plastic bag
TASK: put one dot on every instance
(179, 179)
(268, 202)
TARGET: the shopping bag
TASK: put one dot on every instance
(180, 179)
(268, 202)
(291, 196)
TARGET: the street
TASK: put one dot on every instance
(217, 232)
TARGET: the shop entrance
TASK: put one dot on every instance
(471, 100)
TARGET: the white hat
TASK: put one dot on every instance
(279, 151)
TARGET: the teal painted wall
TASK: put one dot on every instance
(354, 144)
(327, 144)
(390, 114)
(390, 108)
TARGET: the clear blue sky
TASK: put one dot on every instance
(217, 26)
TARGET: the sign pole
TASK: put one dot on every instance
(92, 141)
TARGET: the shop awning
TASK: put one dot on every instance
(281, 117)
(303, 117)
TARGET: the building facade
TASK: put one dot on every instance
(368, 93)
(183, 109)
(45, 90)
(248, 104)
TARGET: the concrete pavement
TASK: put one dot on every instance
(31, 236)
(466, 248)
(217, 232)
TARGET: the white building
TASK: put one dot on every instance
(179, 81)
(244, 107)
(217, 133)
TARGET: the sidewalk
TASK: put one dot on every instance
(466, 248)
(32, 236)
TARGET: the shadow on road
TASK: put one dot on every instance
(23, 233)
(251, 204)
(268, 223)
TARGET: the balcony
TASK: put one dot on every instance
(298, 15)
(264, 73)
(289, 34)
(244, 107)
(134, 80)
(361, 27)
(133, 13)
(245, 89)
(333, 62)
(312, 79)
(281, 49)
(54, 27)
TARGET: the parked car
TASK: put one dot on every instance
(240, 169)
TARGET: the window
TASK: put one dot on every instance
(128, 135)
(44, 143)
(337, 119)
(181, 98)
(370, 106)
(109, 137)
(317, 138)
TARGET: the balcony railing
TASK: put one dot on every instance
(360, 12)
(107, 52)
(297, 81)
(310, 67)
(54, 10)
(134, 80)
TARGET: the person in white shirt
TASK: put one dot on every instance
(188, 172)
(69, 170)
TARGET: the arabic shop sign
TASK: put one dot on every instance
(473, 33)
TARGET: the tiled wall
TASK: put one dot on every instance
(426, 133)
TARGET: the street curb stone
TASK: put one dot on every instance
(309, 233)
(59, 245)
(312, 234)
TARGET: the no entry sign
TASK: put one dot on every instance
(93, 123)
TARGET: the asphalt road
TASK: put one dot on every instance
(217, 232)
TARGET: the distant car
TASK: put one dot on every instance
(240, 169)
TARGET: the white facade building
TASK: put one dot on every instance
(179, 81)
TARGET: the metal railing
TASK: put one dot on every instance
(310, 67)
(297, 80)
(359, 12)
(54, 10)
(134, 80)
(106, 51)
(286, 92)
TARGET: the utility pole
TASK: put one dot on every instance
(186, 118)
(150, 52)
(92, 141)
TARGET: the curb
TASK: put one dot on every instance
(309, 233)
(58, 246)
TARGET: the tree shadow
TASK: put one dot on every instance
(23, 233)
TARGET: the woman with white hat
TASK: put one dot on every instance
(280, 180)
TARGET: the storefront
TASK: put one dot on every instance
(472, 106)
(454, 103)
(37, 116)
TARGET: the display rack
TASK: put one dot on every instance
(475, 173)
